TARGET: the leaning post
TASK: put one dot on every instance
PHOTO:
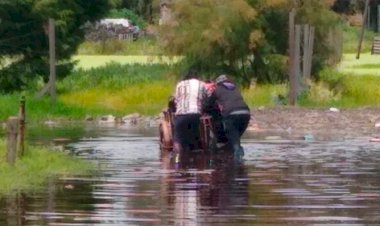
(12, 130)
(366, 7)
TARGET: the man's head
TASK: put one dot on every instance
(221, 78)
(191, 73)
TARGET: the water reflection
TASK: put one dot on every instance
(15, 210)
(203, 189)
(280, 182)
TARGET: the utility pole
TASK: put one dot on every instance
(366, 8)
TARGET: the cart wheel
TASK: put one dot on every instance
(166, 138)
(207, 136)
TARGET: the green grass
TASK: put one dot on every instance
(32, 171)
(102, 86)
(367, 64)
(93, 61)
(39, 109)
(351, 37)
(143, 46)
(264, 95)
(146, 98)
(345, 90)
(120, 89)
(111, 89)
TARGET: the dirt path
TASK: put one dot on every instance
(357, 122)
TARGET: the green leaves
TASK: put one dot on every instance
(23, 33)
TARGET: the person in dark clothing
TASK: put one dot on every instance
(235, 112)
(214, 111)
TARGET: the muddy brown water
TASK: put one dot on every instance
(283, 180)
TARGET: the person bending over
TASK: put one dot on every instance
(189, 94)
(235, 112)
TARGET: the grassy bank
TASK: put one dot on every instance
(345, 90)
(32, 171)
(98, 88)
(111, 89)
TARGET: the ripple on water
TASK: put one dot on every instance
(280, 182)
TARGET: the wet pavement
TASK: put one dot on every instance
(283, 180)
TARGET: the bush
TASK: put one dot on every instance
(343, 90)
(351, 37)
(129, 14)
(274, 69)
(114, 76)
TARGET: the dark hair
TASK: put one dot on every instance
(191, 73)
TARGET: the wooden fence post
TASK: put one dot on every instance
(291, 61)
(12, 130)
(306, 36)
(378, 18)
(297, 61)
(52, 61)
(21, 137)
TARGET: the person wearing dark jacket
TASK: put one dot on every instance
(235, 112)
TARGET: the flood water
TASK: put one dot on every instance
(281, 181)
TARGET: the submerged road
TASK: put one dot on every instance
(282, 181)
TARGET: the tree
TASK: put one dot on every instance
(245, 38)
(212, 35)
(310, 11)
(23, 32)
(143, 8)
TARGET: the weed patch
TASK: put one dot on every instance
(32, 170)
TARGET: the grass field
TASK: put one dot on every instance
(93, 61)
(367, 64)
(121, 85)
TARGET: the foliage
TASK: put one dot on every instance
(310, 12)
(120, 89)
(114, 76)
(23, 33)
(239, 37)
(343, 90)
(351, 37)
(32, 171)
(213, 34)
(348, 7)
(143, 8)
(131, 84)
(110, 89)
(128, 14)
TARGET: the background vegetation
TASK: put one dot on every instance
(247, 38)
(24, 29)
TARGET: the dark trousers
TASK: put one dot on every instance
(186, 131)
(235, 126)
